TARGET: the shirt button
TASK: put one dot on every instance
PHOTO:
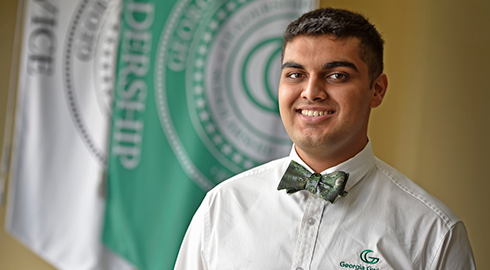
(311, 221)
(299, 268)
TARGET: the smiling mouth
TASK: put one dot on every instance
(314, 113)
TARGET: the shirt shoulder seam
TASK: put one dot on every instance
(435, 209)
(441, 243)
(260, 169)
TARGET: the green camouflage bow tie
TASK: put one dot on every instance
(327, 187)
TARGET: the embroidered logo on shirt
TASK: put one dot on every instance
(364, 257)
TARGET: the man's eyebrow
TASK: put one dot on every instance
(292, 65)
(328, 65)
(335, 64)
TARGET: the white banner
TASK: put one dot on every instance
(55, 204)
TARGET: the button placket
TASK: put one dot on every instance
(308, 234)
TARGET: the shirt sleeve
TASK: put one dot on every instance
(191, 255)
(455, 251)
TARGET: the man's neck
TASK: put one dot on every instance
(320, 159)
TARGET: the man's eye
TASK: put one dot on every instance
(294, 75)
(337, 76)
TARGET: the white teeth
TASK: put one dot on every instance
(314, 113)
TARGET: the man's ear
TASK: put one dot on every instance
(379, 90)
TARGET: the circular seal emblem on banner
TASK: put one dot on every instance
(88, 72)
(217, 72)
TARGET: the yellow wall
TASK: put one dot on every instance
(434, 125)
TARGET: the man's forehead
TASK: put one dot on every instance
(342, 41)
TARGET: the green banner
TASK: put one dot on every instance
(195, 103)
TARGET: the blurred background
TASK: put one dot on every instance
(433, 126)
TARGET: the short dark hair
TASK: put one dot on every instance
(341, 23)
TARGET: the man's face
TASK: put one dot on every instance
(324, 93)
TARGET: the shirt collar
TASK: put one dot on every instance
(356, 166)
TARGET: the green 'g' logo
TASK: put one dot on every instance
(364, 257)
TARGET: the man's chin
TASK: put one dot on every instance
(312, 143)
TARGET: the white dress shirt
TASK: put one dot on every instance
(385, 222)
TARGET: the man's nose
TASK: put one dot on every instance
(315, 89)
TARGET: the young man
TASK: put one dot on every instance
(341, 207)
